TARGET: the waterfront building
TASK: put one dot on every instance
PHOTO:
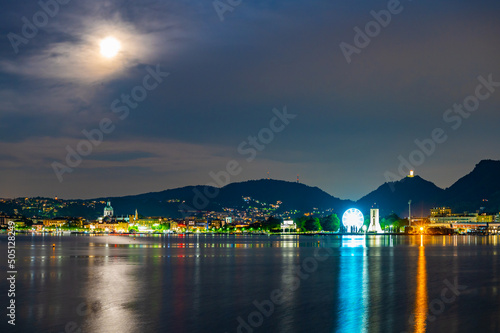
(288, 225)
(122, 227)
(217, 224)
(38, 226)
(442, 217)
(453, 218)
(56, 222)
(440, 211)
(4, 220)
(486, 218)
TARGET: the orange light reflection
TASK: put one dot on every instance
(421, 304)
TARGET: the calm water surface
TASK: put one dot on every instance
(237, 283)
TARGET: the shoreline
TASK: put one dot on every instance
(29, 233)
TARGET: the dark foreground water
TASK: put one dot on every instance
(234, 283)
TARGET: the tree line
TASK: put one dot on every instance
(330, 223)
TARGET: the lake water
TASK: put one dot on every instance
(239, 283)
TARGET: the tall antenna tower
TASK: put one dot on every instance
(268, 175)
(409, 213)
(298, 179)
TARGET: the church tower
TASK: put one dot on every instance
(108, 210)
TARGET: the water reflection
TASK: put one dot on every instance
(421, 303)
(203, 283)
(109, 300)
(353, 287)
(290, 283)
(354, 241)
(376, 286)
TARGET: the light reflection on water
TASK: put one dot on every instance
(109, 297)
(198, 283)
(421, 303)
(353, 293)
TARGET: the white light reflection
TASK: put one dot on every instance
(353, 241)
(353, 286)
(197, 281)
(110, 292)
(290, 281)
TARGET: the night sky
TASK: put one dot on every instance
(351, 120)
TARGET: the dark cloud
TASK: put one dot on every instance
(121, 157)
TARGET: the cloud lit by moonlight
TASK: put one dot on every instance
(86, 56)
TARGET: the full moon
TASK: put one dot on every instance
(110, 47)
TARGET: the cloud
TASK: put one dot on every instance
(225, 79)
(77, 59)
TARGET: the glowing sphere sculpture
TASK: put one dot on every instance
(353, 219)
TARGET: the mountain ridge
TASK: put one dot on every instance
(466, 194)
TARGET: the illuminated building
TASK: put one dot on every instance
(374, 221)
(108, 210)
(55, 222)
(486, 218)
(440, 211)
(453, 218)
(217, 224)
(122, 227)
(288, 224)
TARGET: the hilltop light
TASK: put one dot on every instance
(411, 173)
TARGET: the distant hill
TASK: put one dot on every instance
(164, 203)
(480, 188)
(258, 193)
(394, 196)
(294, 196)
